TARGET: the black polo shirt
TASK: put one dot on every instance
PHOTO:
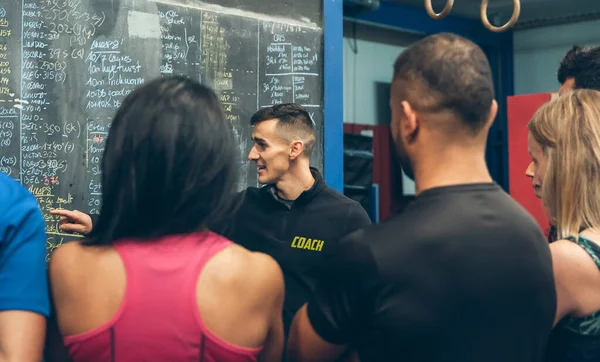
(464, 274)
(298, 234)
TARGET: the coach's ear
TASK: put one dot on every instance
(296, 149)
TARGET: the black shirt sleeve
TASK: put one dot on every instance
(340, 306)
(357, 219)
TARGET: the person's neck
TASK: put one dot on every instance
(449, 167)
(297, 180)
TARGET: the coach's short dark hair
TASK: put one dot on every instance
(445, 72)
(583, 65)
(294, 122)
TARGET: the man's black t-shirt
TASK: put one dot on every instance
(464, 274)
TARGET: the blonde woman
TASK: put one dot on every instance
(568, 130)
(541, 138)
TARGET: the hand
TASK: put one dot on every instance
(73, 221)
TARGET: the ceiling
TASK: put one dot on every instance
(534, 13)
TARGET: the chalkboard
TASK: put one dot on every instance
(66, 66)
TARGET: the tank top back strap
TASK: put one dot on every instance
(156, 318)
(589, 247)
(162, 277)
(588, 326)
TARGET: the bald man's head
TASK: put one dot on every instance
(445, 73)
(442, 96)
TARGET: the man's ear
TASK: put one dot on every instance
(493, 113)
(410, 123)
(296, 149)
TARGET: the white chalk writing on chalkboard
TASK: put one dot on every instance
(67, 65)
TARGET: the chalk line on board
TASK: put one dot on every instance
(304, 22)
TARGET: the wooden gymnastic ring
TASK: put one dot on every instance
(499, 29)
(443, 14)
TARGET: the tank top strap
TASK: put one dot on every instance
(589, 247)
(588, 325)
(159, 272)
(156, 318)
(214, 244)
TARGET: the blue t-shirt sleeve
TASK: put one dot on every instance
(23, 271)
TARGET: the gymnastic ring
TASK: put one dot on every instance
(499, 29)
(443, 14)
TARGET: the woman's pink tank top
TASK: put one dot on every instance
(158, 319)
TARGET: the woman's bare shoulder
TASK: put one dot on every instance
(570, 255)
(246, 270)
(69, 261)
(576, 277)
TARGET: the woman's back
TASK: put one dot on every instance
(145, 285)
(194, 297)
(576, 336)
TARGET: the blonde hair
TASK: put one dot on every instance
(542, 127)
(568, 129)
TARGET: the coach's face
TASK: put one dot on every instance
(270, 152)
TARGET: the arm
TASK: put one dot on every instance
(305, 344)
(357, 219)
(21, 336)
(324, 328)
(273, 346)
(576, 278)
(24, 301)
(61, 276)
(74, 221)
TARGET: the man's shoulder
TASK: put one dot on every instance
(343, 209)
(251, 202)
(333, 196)
(424, 228)
(251, 195)
(22, 250)
(398, 237)
(391, 229)
(513, 221)
(9, 187)
(328, 194)
(15, 200)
